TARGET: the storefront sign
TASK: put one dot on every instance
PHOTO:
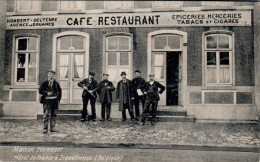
(157, 19)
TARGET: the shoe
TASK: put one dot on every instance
(123, 120)
(94, 120)
(109, 119)
(54, 130)
(45, 131)
(136, 119)
(102, 119)
(140, 123)
(132, 119)
(82, 119)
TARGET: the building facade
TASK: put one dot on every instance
(205, 53)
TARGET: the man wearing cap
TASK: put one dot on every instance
(124, 96)
(51, 96)
(90, 87)
(138, 83)
(105, 89)
(151, 92)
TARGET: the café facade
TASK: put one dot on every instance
(205, 53)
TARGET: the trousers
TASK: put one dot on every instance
(126, 106)
(105, 109)
(148, 103)
(50, 107)
(136, 102)
(85, 105)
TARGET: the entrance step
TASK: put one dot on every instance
(176, 118)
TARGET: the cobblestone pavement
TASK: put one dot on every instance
(164, 133)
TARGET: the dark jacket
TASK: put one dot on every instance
(155, 94)
(91, 86)
(119, 94)
(102, 91)
(45, 88)
(137, 83)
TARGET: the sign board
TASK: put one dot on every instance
(152, 19)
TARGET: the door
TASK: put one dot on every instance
(167, 71)
(172, 81)
(70, 72)
(71, 67)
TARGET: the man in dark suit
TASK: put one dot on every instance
(124, 95)
(51, 96)
(105, 89)
(138, 83)
(151, 92)
(90, 86)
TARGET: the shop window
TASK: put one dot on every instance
(71, 6)
(167, 4)
(218, 58)
(28, 6)
(26, 60)
(119, 5)
(217, 3)
(118, 56)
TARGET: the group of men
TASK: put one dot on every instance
(128, 93)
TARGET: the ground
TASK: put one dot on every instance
(163, 133)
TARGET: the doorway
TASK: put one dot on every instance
(71, 62)
(172, 79)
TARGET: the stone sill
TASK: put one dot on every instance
(8, 87)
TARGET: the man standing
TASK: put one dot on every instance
(124, 96)
(51, 96)
(105, 89)
(138, 83)
(90, 86)
(151, 91)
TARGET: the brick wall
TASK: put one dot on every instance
(3, 7)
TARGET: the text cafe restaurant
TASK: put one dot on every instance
(203, 52)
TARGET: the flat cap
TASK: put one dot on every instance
(51, 71)
(137, 71)
(151, 75)
(105, 74)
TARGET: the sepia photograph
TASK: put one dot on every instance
(129, 81)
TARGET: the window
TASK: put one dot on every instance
(71, 6)
(118, 54)
(119, 5)
(217, 3)
(26, 60)
(166, 42)
(167, 4)
(28, 6)
(218, 54)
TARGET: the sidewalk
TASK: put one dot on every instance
(177, 135)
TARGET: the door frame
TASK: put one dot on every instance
(54, 51)
(183, 58)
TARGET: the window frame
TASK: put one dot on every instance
(28, 12)
(118, 51)
(79, 10)
(26, 52)
(217, 3)
(172, 5)
(167, 49)
(120, 8)
(217, 50)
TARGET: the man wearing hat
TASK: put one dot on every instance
(105, 89)
(151, 92)
(138, 83)
(90, 87)
(124, 96)
(51, 96)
